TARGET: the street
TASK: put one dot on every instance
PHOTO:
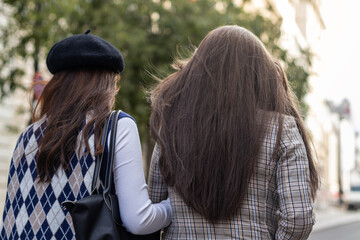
(345, 232)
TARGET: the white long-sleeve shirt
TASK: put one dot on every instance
(138, 214)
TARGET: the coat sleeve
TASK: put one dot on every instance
(158, 190)
(295, 214)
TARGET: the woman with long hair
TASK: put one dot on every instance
(232, 150)
(54, 158)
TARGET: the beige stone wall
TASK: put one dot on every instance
(14, 116)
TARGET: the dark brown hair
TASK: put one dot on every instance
(67, 100)
(210, 116)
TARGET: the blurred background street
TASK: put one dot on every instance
(336, 223)
(315, 40)
(344, 232)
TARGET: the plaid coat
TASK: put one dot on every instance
(278, 203)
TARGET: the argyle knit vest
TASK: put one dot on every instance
(33, 209)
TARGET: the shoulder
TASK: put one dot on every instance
(289, 122)
(37, 128)
(126, 123)
(124, 115)
(290, 136)
(273, 121)
(290, 130)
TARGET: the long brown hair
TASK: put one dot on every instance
(66, 101)
(206, 120)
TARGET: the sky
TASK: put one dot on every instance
(340, 51)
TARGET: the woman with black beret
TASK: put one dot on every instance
(53, 160)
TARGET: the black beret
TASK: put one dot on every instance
(84, 51)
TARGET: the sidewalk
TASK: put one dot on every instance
(334, 216)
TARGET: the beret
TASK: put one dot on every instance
(84, 51)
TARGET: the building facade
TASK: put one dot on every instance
(14, 116)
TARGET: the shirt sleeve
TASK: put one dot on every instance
(137, 212)
(296, 217)
(158, 190)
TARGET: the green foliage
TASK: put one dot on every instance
(148, 32)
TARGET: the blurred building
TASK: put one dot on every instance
(14, 115)
(12, 119)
